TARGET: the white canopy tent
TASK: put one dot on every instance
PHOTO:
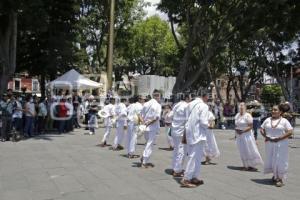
(73, 80)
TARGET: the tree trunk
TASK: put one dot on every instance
(180, 79)
(236, 92)
(174, 33)
(228, 88)
(184, 65)
(42, 85)
(3, 83)
(241, 87)
(8, 43)
(285, 90)
(218, 92)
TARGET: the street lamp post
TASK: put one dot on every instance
(110, 45)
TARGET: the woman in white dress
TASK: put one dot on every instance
(245, 139)
(168, 117)
(211, 149)
(276, 130)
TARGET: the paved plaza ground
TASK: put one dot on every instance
(72, 166)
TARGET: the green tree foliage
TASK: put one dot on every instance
(149, 48)
(214, 29)
(47, 40)
(93, 26)
(47, 43)
(271, 95)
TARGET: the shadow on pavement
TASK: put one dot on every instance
(236, 168)
(136, 164)
(47, 136)
(169, 171)
(242, 169)
(165, 149)
(133, 156)
(265, 181)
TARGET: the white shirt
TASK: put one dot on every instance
(243, 121)
(121, 114)
(133, 110)
(179, 118)
(86, 106)
(197, 121)
(279, 130)
(31, 109)
(42, 110)
(151, 111)
(110, 110)
(18, 113)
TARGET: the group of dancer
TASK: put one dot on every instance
(189, 125)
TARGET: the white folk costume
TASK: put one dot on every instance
(246, 144)
(151, 111)
(196, 128)
(168, 117)
(276, 160)
(178, 124)
(121, 123)
(211, 149)
(110, 111)
(133, 111)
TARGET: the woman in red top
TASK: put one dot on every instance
(63, 114)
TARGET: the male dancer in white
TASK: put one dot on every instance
(195, 133)
(121, 124)
(109, 109)
(133, 116)
(150, 116)
(178, 124)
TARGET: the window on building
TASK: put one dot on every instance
(17, 85)
(35, 85)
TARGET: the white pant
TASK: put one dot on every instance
(131, 138)
(169, 138)
(146, 136)
(106, 133)
(193, 167)
(119, 136)
(151, 136)
(179, 153)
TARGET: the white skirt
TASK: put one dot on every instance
(276, 160)
(248, 150)
(211, 149)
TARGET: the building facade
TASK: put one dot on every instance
(22, 83)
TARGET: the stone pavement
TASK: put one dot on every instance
(72, 167)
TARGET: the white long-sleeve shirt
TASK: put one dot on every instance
(151, 111)
(133, 110)
(121, 114)
(197, 121)
(110, 110)
(179, 118)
